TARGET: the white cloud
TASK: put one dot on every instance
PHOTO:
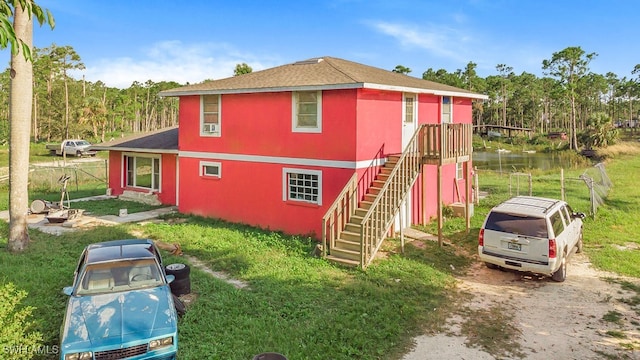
(457, 46)
(170, 61)
(441, 41)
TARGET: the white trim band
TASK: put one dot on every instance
(283, 160)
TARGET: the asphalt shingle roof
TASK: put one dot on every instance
(316, 73)
(160, 141)
(319, 73)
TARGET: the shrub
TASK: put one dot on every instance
(540, 139)
(599, 132)
(18, 340)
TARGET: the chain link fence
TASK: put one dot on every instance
(46, 177)
(588, 190)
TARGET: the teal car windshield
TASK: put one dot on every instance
(117, 276)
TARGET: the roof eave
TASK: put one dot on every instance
(169, 93)
(425, 91)
(140, 150)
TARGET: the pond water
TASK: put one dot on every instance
(517, 160)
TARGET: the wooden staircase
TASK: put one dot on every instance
(355, 225)
(346, 248)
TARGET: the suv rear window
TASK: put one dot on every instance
(557, 224)
(514, 224)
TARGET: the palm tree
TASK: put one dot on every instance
(599, 132)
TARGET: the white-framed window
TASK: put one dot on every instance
(306, 111)
(210, 169)
(302, 185)
(410, 113)
(142, 171)
(447, 110)
(459, 171)
(210, 115)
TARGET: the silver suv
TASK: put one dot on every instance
(531, 234)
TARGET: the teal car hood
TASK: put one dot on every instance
(109, 319)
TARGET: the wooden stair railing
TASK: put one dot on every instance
(378, 219)
(339, 214)
(355, 226)
(349, 230)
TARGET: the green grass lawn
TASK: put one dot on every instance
(298, 305)
(304, 307)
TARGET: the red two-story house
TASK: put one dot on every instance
(327, 147)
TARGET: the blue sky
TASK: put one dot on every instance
(121, 41)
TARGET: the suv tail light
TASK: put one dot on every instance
(552, 248)
(481, 237)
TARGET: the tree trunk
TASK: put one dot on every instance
(66, 106)
(574, 136)
(20, 121)
(36, 133)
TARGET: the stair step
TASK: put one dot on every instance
(369, 197)
(352, 227)
(361, 212)
(373, 190)
(350, 236)
(346, 254)
(356, 219)
(365, 204)
(342, 261)
(391, 162)
(343, 244)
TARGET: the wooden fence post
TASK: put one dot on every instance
(592, 195)
(477, 192)
(439, 182)
(562, 184)
(467, 200)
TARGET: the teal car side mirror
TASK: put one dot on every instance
(67, 290)
(170, 278)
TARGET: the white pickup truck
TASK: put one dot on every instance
(73, 147)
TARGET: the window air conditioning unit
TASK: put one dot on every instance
(210, 128)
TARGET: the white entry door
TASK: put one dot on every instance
(409, 126)
(409, 117)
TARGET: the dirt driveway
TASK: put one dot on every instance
(592, 315)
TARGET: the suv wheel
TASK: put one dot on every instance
(561, 274)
